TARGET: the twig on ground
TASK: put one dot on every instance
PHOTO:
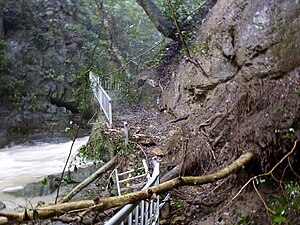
(296, 174)
(261, 198)
(185, 117)
(215, 188)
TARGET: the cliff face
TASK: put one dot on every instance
(43, 55)
(239, 40)
(248, 98)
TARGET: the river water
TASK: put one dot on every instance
(23, 164)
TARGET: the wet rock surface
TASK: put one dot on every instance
(49, 184)
(39, 77)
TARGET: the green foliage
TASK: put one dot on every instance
(9, 87)
(117, 144)
(160, 54)
(260, 180)
(287, 205)
(102, 144)
(8, 84)
(93, 150)
(4, 60)
(82, 91)
(285, 134)
(205, 45)
(175, 204)
(298, 91)
(45, 181)
(133, 32)
(183, 9)
(68, 129)
(289, 134)
(50, 73)
(242, 219)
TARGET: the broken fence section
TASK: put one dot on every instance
(143, 212)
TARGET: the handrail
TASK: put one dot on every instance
(126, 210)
(102, 97)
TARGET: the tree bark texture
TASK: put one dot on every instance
(162, 24)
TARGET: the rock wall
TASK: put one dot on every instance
(239, 40)
(248, 97)
(38, 81)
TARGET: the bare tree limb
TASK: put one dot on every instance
(263, 174)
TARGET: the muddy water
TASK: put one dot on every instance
(23, 164)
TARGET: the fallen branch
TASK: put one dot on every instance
(107, 166)
(175, 172)
(101, 204)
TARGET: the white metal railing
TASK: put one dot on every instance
(111, 84)
(143, 212)
(101, 96)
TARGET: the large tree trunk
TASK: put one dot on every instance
(162, 24)
(166, 26)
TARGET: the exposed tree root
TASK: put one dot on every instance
(252, 179)
(217, 139)
(214, 141)
(223, 115)
(262, 199)
(210, 120)
(184, 117)
(290, 165)
(101, 204)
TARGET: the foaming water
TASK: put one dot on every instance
(23, 164)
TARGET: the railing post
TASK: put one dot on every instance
(110, 112)
(126, 134)
(102, 97)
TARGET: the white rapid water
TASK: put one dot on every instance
(23, 164)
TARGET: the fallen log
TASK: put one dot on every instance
(107, 166)
(101, 204)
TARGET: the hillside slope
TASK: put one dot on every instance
(247, 100)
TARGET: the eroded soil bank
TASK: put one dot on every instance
(243, 96)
